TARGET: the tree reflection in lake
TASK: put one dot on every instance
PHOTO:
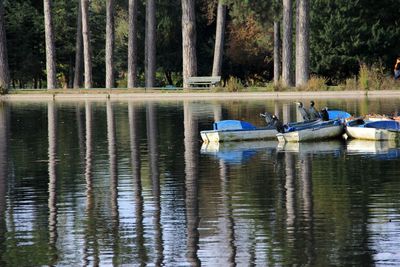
(4, 128)
(191, 184)
(112, 157)
(137, 182)
(152, 134)
(90, 246)
(52, 202)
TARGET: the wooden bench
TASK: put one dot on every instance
(203, 81)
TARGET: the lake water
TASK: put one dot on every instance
(130, 184)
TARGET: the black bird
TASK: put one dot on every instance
(278, 124)
(267, 117)
(325, 114)
(303, 111)
(313, 112)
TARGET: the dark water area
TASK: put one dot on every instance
(131, 184)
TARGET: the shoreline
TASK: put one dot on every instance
(120, 95)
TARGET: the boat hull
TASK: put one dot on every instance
(370, 133)
(312, 134)
(237, 135)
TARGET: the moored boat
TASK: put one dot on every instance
(235, 130)
(318, 130)
(373, 130)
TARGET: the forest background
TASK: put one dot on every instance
(344, 37)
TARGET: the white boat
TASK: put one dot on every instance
(237, 135)
(319, 131)
(234, 130)
(373, 130)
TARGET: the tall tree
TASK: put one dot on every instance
(86, 44)
(132, 43)
(277, 52)
(50, 49)
(219, 39)
(287, 45)
(150, 53)
(78, 49)
(189, 37)
(4, 72)
(110, 42)
(302, 43)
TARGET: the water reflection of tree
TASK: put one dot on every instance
(112, 156)
(137, 180)
(191, 184)
(90, 238)
(52, 189)
(152, 133)
(4, 128)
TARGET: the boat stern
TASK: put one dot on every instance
(209, 136)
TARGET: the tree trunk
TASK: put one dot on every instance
(132, 44)
(277, 52)
(4, 71)
(150, 46)
(219, 39)
(70, 82)
(302, 44)
(86, 44)
(78, 77)
(287, 45)
(110, 40)
(50, 49)
(189, 58)
(168, 76)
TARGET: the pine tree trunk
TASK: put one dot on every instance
(302, 43)
(189, 36)
(4, 71)
(110, 40)
(219, 39)
(287, 45)
(50, 49)
(78, 74)
(277, 52)
(150, 53)
(132, 44)
(86, 44)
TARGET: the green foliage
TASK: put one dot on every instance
(344, 33)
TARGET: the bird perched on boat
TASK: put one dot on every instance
(325, 114)
(303, 111)
(278, 124)
(314, 114)
(267, 117)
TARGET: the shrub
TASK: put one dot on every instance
(351, 84)
(317, 83)
(371, 77)
(3, 90)
(234, 85)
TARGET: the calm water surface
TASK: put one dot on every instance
(130, 183)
